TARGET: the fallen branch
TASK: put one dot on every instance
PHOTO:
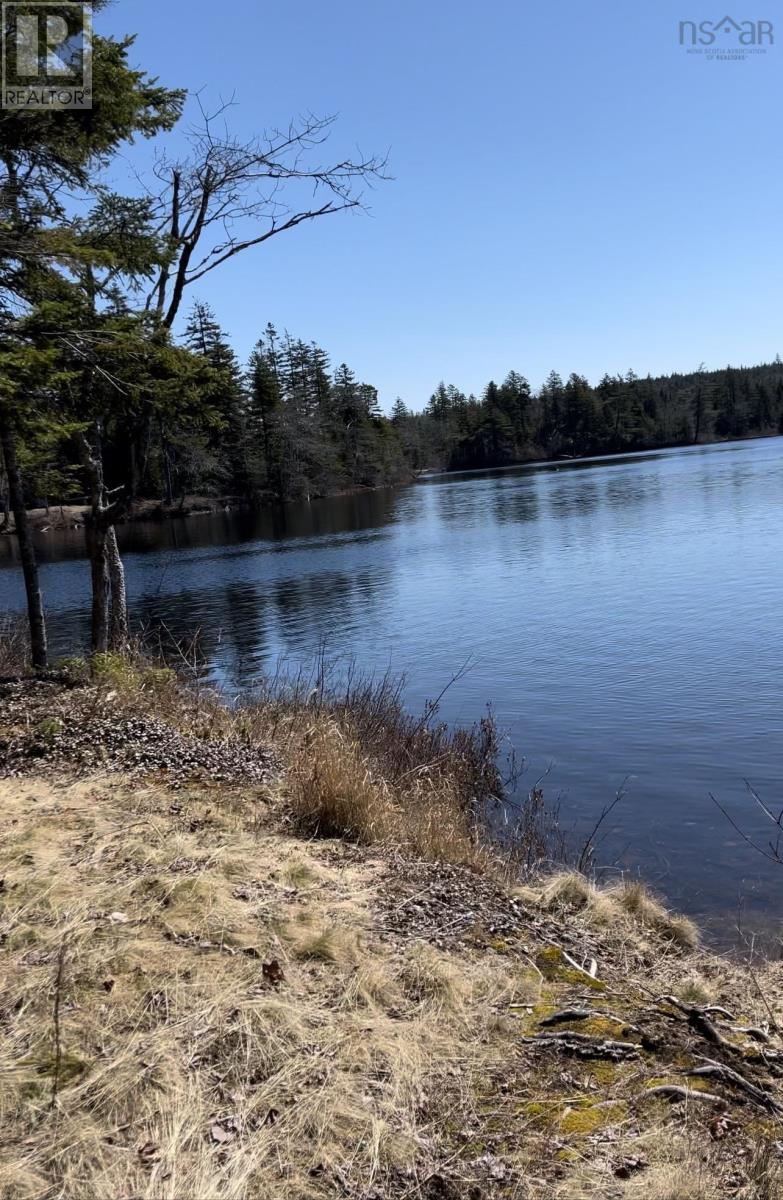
(581, 1045)
(675, 1093)
(699, 1021)
(58, 1050)
(590, 972)
(751, 1031)
(715, 1070)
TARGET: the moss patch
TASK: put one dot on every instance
(590, 1118)
(553, 967)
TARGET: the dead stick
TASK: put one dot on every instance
(58, 1053)
(671, 1091)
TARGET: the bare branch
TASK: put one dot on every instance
(230, 195)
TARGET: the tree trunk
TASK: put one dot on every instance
(699, 414)
(96, 544)
(109, 599)
(118, 620)
(168, 496)
(35, 611)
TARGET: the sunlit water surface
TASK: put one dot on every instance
(622, 615)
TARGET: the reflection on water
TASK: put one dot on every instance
(622, 615)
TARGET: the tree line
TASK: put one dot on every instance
(287, 426)
(511, 423)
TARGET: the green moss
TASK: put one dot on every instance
(531, 1020)
(549, 959)
(604, 1073)
(553, 967)
(763, 1130)
(584, 1120)
(575, 1117)
(597, 1027)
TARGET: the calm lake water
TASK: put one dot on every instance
(622, 615)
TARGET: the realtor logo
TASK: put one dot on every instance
(46, 55)
(726, 39)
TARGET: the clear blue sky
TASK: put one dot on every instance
(572, 190)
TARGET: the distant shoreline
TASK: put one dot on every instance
(564, 460)
(59, 518)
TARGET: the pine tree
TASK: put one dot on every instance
(225, 394)
(48, 156)
(264, 406)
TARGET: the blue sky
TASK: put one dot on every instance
(572, 189)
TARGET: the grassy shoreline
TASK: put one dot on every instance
(241, 958)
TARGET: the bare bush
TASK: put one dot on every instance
(14, 646)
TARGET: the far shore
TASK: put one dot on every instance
(59, 517)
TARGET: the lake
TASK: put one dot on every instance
(623, 616)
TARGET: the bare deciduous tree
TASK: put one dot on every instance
(229, 195)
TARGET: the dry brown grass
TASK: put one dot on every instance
(636, 900)
(377, 1064)
(356, 764)
(177, 1071)
(14, 646)
(620, 905)
(335, 790)
(681, 1165)
(380, 1066)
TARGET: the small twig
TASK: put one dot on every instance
(587, 847)
(58, 1054)
(591, 973)
(528, 958)
(772, 857)
(672, 1091)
